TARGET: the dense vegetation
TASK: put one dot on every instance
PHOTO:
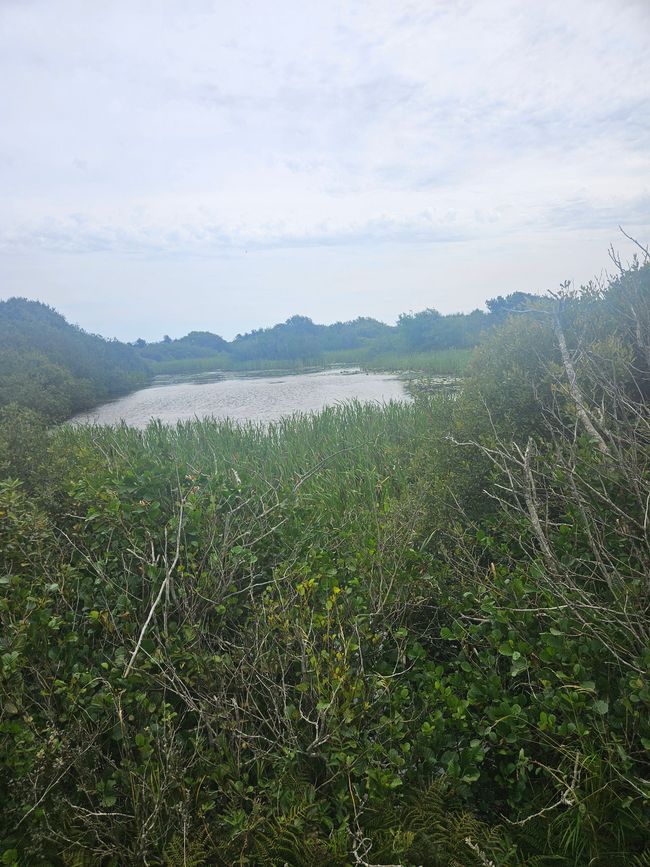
(425, 340)
(56, 368)
(434, 362)
(411, 635)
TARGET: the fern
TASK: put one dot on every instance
(183, 853)
(433, 830)
(284, 840)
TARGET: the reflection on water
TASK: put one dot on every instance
(246, 399)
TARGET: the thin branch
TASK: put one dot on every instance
(163, 589)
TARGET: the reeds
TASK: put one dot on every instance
(339, 454)
(439, 362)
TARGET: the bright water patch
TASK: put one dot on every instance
(242, 399)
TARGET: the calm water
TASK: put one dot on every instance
(247, 399)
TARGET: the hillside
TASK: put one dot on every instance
(56, 368)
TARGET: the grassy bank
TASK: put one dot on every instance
(442, 362)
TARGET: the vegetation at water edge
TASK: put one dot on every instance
(411, 635)
(58, 370)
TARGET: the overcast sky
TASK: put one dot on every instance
(183, 164)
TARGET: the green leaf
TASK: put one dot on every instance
(601, 706)
(518, 666)
(471, 777)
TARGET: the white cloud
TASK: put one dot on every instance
(201, 130)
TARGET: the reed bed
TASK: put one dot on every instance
(343, 451)
(439, 362)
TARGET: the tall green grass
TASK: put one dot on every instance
(441, 362)
(220, 361)
(351, 438)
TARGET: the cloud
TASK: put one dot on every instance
(79, 235)
(202, 129)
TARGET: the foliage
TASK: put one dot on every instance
(424, 341)
(55, 368)
(23, 445)
(196, 344)
(442, 362)
(413, 634)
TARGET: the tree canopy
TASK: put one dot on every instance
(57, 368)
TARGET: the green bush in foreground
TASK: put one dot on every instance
(406, 635)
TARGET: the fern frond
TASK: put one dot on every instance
(184, 853)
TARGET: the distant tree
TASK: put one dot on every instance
(196, 344)
(415, 328)
(501, 306)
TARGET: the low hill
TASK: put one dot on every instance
(57, 368)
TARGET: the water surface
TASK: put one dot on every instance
(260, 399)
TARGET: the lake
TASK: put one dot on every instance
(243, 399)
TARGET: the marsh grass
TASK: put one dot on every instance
(441, 362)
(341, 451)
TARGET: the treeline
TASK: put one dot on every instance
(415, 635)
(360, 340)
(57, 369)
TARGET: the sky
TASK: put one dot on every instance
(177, 165)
